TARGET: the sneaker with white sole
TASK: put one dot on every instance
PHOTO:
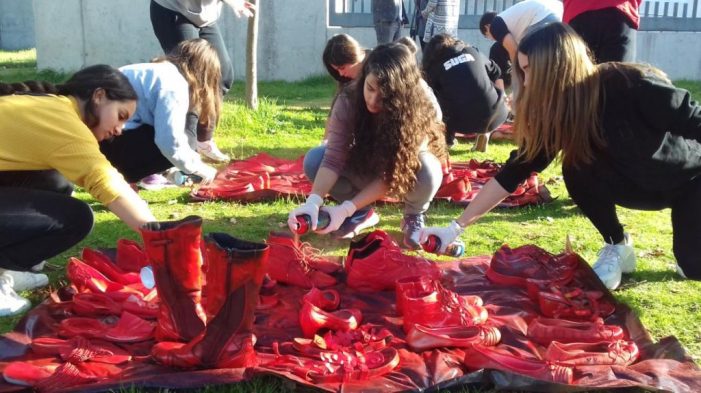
(10, 302)
(209, 150)
(615, 259)
(38, 267)
(680, 272)
(26, 281)
(411, 227)
(356, 223)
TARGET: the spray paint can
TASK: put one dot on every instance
(180, 178)
(433, 244)
(304, 222)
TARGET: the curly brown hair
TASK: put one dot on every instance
(388, 143)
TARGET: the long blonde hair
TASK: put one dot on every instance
(559, 110)
(387, 144)
(198, 62)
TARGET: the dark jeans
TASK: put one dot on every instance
(171, 28)
(135, 153)
(608, 33)
(387, 32)
(597, 189)
(38, 218)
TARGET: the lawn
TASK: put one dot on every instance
(290, 120)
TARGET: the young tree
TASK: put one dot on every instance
(252, 58)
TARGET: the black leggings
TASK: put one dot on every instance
(38, 218)
(135, 153)
(172, 28)
(597, 190)
(608, 33)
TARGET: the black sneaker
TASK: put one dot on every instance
(353, 225)
(411, 227)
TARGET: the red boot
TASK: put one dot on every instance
(173, 249)
(298, 264)
(312, 319)
(234, 274)
(374, 264)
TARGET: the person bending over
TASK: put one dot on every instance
(625, 136)
(384, 139)
(49, 138)
(161, 134)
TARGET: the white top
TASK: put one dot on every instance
(199, 12)
(520, 16)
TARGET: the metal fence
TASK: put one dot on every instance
(658, 15)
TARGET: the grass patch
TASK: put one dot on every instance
(291, 120)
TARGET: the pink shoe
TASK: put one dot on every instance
(620, 352)
(312, 319)
(546, 330)
(422, 338)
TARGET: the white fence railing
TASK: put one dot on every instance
(657, 15)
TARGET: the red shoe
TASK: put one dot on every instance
(376, 265)
(328, 265)
(293, 263)
(80, 349)
(85, 277)
(514, 360)
(412, 285)
(238, 353)
(621, 352)
(351, 368)
(104, 265)
(268, 296)
(574, 303)
(421, 338)
(546, 330)
(327, 300)
(27, 374)
(441, 308)
(129, 328)
(312, 318)
(529, 262)
(130, 256)
(365, 338)
(89, 304)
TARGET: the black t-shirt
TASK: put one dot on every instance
(463, 82)
(500, 56)
(652, 132)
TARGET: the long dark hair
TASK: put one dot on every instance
(341, 49)
(387, 144)
(81, 85)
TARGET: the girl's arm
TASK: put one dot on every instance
(131, 209)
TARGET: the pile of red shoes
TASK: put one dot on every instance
(200, 314)
(297, 263)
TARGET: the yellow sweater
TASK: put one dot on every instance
(40, 132)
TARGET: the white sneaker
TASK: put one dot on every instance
(210, 150)
(10, 302)
(615, 259)
(25, 281)
(680, 272)
(38, 267)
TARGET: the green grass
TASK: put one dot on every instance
(290, 120)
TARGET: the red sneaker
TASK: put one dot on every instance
(327, 300)
(517, 361)
(620, 352)
(27, 374)
(529, 262)
(312, 319)
(374, 264)
(95, 304)
(441, 308)
(129, 328)
(574, 303)
(411, 285)
(80, 349)
(421, 338)
(294, 263)
(546, 330)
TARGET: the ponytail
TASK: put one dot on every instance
(7, 89)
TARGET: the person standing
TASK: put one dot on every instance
(387, 17)
(608, 27)
(174, 21)
(418, 22)
(441, 18)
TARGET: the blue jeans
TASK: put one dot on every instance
(38, 218)
(387, 32)
(349, 184)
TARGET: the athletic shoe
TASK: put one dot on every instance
(154, 182)
(10, 302)
(411, 227)
(615, 259)
(353, 225)
(26, 281)
(209, 150)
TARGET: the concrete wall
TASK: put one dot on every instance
(74, 33)
(16, 24)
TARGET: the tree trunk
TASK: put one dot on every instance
(252, 58)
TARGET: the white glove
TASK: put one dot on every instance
(242, 8)
(337, 214)
(207, 173)
(447, 235)
(310, 208)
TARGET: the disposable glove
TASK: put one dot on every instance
(337, 214)
(207, 173)
(310, 208)
(447, 235)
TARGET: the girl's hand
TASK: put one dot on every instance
(242, 8)
(447, 235)
(337, 215)
(309, 208)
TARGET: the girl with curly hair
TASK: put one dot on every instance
(384, 140)
(624, 134)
